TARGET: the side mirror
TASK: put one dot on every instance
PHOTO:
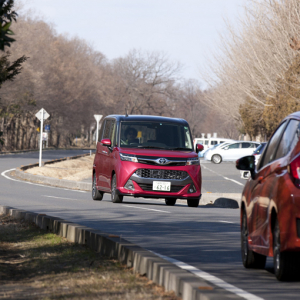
(199, 148)
(247, 163)
(106, 142)
(226, 148)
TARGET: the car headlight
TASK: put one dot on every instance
(128, 157)
(192, 161)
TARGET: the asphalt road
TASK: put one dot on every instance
(207, 238)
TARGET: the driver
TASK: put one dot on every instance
(130, 134)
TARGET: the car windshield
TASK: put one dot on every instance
(155, 135)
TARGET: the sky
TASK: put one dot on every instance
(187, 31)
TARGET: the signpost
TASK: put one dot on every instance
(41, 115)
(98, 118)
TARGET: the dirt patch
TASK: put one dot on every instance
(35, 264)
(74, 169)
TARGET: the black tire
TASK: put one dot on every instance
(115, 198)
(286, 264)
(250, 259)
(170, 201)
(192, 202)
(96, 194)
(216, 159)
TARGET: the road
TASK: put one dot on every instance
(207, 238)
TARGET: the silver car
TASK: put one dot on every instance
(231, 151)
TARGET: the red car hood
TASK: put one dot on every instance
(159, 153)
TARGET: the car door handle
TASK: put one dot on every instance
(104, 152)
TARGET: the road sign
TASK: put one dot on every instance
(42, 114)
(98, 118)
(47, 127)
(45, 136)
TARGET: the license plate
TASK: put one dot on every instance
(161, 186)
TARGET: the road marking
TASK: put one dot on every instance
(38, 184)
(167, 212)
(226, 178)
(211, 278)
(226, 222)
(61, 198)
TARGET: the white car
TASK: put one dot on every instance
(207, 154)
(231, 151)
(208, 143)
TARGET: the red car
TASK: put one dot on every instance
(270, 208)
(146, 156)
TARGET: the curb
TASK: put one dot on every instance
(160, 271)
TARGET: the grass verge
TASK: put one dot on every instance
(35, 264)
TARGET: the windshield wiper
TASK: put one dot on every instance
(180, 148)
(153, 147)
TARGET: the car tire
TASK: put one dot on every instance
(286, 264)
(192, 202)
(170, 201)
(96, 194)
(115, 198)
(216, 159)
(250, 259)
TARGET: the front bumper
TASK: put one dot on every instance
(143, 188)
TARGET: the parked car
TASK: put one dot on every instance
(231, 151)
(257, 154)
(146, 156)
(258, 151)
(208, 143)
(207, 153)
(270, 207)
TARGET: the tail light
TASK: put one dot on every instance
(294, 170)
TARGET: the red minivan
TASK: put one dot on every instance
(146, 156)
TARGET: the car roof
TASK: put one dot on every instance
(149, 118)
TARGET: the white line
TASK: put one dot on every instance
(48, 186)
(211, 278)
(61, 198)
(224, 176)
(167, 212)
(226, 222)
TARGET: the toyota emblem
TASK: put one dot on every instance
(162, 161)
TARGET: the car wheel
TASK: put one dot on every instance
(115, 198)
(216, 159)
(192, 202)
(96, 194)
(170, 201)
(250, 258)
(286, 264)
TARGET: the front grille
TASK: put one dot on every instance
(150, 160)
(161, 174)
(148, 187)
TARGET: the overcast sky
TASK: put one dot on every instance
(186, 30)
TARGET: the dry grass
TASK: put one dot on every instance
(35, 264)
(74, 169)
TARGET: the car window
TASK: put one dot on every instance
(289, 139)
(112, 134)
(106, 131)
(234, 146)
(246, 145)
(253, 145)
(206, 142)
(272, 146)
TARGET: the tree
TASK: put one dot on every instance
(8, 70)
